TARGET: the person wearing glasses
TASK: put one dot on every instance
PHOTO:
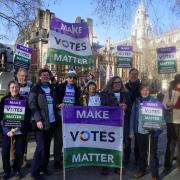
(68, 94)
(114, 94)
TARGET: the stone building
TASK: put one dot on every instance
(37, 39)
(144, 43)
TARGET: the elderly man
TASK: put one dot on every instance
(68, 95)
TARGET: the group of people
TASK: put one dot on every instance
(42, 112)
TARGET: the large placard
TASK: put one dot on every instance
(14, 113)
(93, 136)
(68, 44)
(124, 56)
(166, 58)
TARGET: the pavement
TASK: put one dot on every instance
(93, 173)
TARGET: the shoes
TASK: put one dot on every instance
(105, 171)
(139, 174)
(6, 176)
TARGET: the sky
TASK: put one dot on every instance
(67, 10)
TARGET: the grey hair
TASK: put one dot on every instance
(109, 85)
(22, 70)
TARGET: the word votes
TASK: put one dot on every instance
(101, 136)
(72, 45)
(92, 114)
(14, 109)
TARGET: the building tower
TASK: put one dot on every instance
(141, 28)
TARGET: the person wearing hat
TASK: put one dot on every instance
(91, 97)
(172, 106)
(68, 95)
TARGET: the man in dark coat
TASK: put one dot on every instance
(133, 86)
(44, 107)
(68, 94)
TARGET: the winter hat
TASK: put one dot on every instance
(71, 73)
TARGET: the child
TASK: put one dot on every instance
(142, 135)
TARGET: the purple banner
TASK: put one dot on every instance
(106, 115)
(166, 50)
(75, 30)
(21, 103)
(124, 48)
(23, 48)
(152, 104)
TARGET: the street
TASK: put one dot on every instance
(93, 173)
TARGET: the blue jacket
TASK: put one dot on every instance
(135, 120)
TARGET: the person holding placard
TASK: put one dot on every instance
(136, 127)
(114, 94)
(172, 109)
(68, 95)
(13, 114)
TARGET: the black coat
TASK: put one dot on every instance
(109, 99)
(61, 89)
(133, 93)
(39, 106)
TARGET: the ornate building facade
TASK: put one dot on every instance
(37, 39)
(144, 43)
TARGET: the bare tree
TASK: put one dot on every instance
(17, 15)
(119, 12)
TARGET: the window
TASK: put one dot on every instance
(37, 33)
